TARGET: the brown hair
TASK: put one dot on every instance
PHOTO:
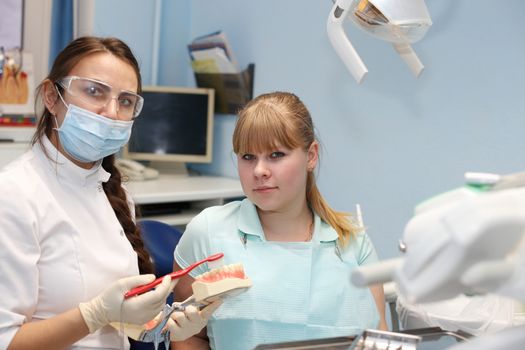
(77, 50)
(281, 118)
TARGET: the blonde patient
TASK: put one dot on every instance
(297, 251)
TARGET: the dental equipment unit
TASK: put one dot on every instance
(401, 22)
(470, 240)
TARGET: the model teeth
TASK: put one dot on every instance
(227, 271)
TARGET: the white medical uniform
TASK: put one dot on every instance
(60, 243)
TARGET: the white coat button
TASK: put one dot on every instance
(122, 232)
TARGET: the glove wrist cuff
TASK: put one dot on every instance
(93, 322)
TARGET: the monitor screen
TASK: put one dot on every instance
(175, 125)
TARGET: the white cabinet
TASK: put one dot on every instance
(11, 150)
(195, 192)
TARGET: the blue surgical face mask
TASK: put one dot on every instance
(89, 137)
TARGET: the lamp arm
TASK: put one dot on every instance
(410, 57)
(340, 42)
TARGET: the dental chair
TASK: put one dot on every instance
(160, 240)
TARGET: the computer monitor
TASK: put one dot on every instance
(175, 126)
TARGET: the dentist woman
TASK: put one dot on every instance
(69, 244)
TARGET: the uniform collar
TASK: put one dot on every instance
(65, 169)
(250, 224)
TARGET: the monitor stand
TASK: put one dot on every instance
(172, 168)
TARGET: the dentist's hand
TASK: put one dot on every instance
(110, 305)
(183, 325)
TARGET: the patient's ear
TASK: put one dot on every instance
(313, 155)
(49, 96)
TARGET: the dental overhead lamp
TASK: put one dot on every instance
(401, 22)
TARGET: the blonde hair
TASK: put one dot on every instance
(281, 118)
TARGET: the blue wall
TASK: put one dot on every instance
(390, 142)
(131, 21)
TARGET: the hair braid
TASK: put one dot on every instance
(118, 200)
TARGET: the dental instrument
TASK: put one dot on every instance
(219, 283)
(359, 216)
(371, 339)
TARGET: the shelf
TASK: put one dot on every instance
(9, 151)
(22, 134)
(177, 219)
(181, 188)
(232, 90)
(200, 191)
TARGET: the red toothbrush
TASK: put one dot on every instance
(146, 287)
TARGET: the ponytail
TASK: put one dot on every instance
(340, 221)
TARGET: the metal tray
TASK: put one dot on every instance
(433, 338)
(381, 340)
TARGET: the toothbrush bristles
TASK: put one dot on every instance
(215, 264)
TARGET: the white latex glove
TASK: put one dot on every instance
(183, 325)
(110, 306)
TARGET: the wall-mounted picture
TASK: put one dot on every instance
(16, 83)
(16, 67)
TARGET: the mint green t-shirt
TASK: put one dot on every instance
(301, 290)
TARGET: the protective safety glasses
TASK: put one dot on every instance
(99, 94)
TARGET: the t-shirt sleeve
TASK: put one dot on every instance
(194, 244)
